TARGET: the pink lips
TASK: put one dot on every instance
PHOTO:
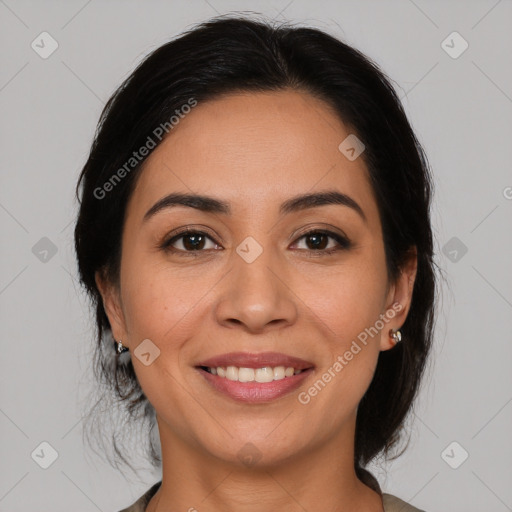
(255, 392)
(249, 360)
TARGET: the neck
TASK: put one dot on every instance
(323, 479)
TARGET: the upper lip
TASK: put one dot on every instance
(256, 360)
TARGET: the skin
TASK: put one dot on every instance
(254, 151)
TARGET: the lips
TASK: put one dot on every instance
(256, 360)
(283, 383)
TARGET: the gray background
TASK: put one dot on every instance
(461, 109)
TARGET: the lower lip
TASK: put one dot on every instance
(255, 392)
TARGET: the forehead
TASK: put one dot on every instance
(254, 148)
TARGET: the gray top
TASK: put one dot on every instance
(391, 503)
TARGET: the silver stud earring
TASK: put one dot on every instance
(120, 348)
(396, 335)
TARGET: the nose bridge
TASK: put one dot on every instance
(254, 270)
(255, 292)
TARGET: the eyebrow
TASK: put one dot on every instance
(295, 204)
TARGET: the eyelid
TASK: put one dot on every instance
(319, 227)
(195, 229)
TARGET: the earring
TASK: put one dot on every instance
(119, 347)
(396, 335)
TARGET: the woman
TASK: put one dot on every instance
(254, 234)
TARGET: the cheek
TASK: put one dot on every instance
(349, 303)
(160, 307)
(156, 304)
(348, 299)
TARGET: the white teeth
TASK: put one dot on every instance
(232, 373)
(245, 374)
(279, 372)
(264, 374)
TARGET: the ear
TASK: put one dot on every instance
(113, 307)
(398, 301)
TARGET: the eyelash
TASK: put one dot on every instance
(344, 243)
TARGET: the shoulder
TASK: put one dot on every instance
(394, 504)
(141, 503)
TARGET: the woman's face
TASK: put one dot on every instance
(247, 280)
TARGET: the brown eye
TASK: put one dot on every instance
(318, 241)
(193, 242)
(189, 241)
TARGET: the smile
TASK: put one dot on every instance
(255, 378)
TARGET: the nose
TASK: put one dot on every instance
(255, 296)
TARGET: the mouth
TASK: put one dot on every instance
(255, 378)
